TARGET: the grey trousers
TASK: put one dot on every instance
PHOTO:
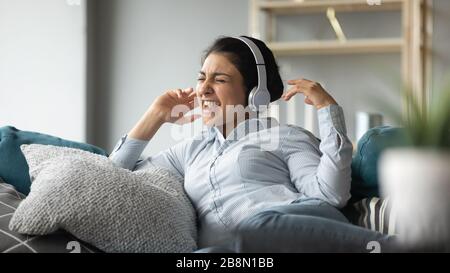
(307, 227)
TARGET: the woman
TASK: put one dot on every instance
(246, 197)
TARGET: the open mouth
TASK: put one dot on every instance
(210, 103)
(210, 106)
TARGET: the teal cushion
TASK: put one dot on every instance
(13, 166)
(365, 161)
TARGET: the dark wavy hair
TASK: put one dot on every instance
(242, 58)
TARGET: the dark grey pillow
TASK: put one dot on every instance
(13, 242)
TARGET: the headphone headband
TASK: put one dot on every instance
(255, 50)
(260, 64)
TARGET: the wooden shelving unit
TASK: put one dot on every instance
(336, 47)
(414, 44)
(316, 6)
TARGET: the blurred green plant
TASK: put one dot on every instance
(429, 128)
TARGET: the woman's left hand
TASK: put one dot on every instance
(313, 91)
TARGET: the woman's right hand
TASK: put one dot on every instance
(168, 107)
(173, 105)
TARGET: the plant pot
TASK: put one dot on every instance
(417, 181)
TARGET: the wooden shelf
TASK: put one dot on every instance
(336, 47)
(296, 7)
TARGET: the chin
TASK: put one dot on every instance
(212, 122)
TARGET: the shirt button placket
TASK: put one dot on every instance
(214, 182)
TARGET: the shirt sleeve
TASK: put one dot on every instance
(127, 154)
(321, 170)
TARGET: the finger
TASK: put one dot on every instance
(289, 96)
(292, 92)
(307, 88)
(188, 91)
(304, 88)
(293, 82)
(185, 95)
(192, 94)
(179, 93)
(189, 102)
(289, 93)
(192, 104)
(308, 101)
(298, 81)
(295, 89)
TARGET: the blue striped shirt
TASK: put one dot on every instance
(259, 165)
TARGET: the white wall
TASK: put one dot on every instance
(42, 67)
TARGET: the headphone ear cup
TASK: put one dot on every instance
(258, 97)
(262, 97)
(251, 99)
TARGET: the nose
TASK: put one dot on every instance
(204, 89)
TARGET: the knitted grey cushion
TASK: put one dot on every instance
(110, 207)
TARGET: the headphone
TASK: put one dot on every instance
(259, 95)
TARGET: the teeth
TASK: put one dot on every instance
(209, 103)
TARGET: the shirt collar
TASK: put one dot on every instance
(244, 128)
